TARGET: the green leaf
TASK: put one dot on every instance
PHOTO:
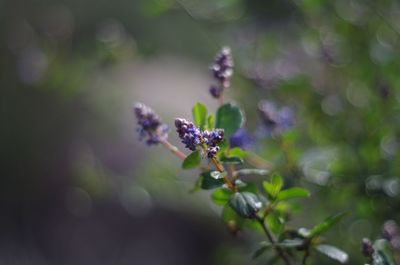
(333, 252)
(382, 254)
(248, 187)
(208, 182)
(274, 187)
(199, 112)
(210, 122)
(292, 193)
(245, 204)
(192, 160)
(287, 243)
(291, 243)
(326, 224)
(230, 118)
(237, 151)
(231, 218)
(251, 171)
(221, 196)
(232, 160)
(261, 250)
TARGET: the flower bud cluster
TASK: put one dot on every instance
(275, 120)
(192, 137)
(212, 139)
(367, 248)
(151, 128)
(222, 70)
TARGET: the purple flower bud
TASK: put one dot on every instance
(212, 151)
(389, 230)
(151, 128)
(190, 135)
(212, 139)
(222, 68)
(367, 248)
(215, 91)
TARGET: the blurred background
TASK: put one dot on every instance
(77, 185)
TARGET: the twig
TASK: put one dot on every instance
(273, 241)
(221, 169)
(173, 149)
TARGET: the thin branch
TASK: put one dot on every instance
(273, 241)
(173, 149)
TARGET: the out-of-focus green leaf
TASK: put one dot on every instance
(237, 151)
(192, 160)
(382, 254)
(251, 171)
(292, 193)
(274, 187)
(326, 224)
(210, 122)
(199, 112)
(232, 160)
(245, 204)
(248, 187)
(333, 252)
(287, 243)
(221, 196)
(291, 243)
(230, 118)
(208, 182)
(264, 246)
(232, 219)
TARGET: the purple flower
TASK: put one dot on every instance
(212, 151)
(151, 128)
(367, 248)
(241, 138)
(192, 137)
(275, 121)
(222, 68)
(215, 91)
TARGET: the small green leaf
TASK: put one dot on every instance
(221, 196)
(333, 253)
(292, 193)
(208, 182)
(237, 151)
(231, 218)
(248, 187)
(232, 160)
(251, 171)
(230, 118)
(199, 112)
(210, 122)
(287, 243)
(326, 224)
(274, 187)
(245, 204)
(261, 250)
(291, 243)
(217, 174)
(192, 160)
